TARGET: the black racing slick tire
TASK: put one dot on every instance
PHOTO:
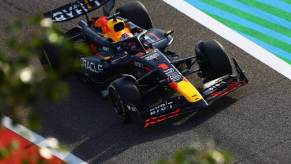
(52, 55)
(74, 34)
(49, 57)
(136, 13)
(125, 96)
(212, 59)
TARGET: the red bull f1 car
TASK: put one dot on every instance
(131, 64)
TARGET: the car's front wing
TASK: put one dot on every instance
(211, 92)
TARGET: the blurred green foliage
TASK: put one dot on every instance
(7, 150)
(199, 154)
(23, 81)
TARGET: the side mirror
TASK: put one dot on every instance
(107, 8)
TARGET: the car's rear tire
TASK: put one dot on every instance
(49, 57)
(74, 34)
(125, 97)
(136, 13)
(212, 59)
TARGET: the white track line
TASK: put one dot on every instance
(40, 142)
(245, 44)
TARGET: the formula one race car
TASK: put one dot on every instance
(132, 66)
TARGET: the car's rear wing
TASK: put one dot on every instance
(78, 8)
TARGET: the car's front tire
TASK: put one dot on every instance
(212, 59)
(125, 96)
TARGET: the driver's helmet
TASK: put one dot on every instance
(115, 28)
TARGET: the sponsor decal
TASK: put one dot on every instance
(160, 108)
(138, 64)
(132, 108)
(91, 66)
(214, 87)
(230, 87)
(105, 49)
(155, 120)
(73, 10)
(152, 56)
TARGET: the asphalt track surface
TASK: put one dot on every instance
(253, 123)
